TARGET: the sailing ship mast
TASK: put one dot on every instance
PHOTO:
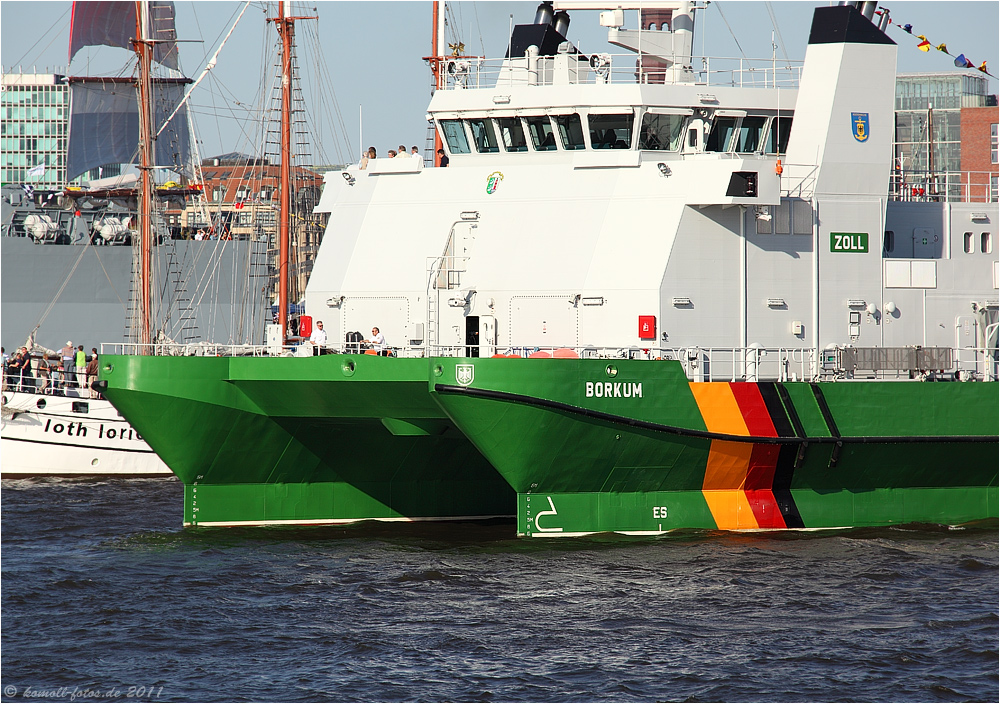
(285, 24)
(144, 51)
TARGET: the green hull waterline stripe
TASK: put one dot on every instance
(691, 432)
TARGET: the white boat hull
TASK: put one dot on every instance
(71, 436)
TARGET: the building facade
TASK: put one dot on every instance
(943, 130)
(240, 201)
(34, 128)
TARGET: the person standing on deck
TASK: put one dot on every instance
(92, 372)
(81, 365)
(43, 374)
(318, 338)
(67, 355)
(442, 158)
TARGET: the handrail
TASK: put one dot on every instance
(699, 364)
(478, 72)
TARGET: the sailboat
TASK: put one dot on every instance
(67, 430)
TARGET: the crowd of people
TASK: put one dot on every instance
(50, 373)
(414, 153)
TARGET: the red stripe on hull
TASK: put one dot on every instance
(753, 408)
(759, 486)
(759, 483)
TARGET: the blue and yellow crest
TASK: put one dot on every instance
(859, 126)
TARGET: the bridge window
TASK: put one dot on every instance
(483, 136)
(570, 131)
(750, 136)
(542, 137)
(721, 137)
(777, 138)
(611, 131)
(512, 134)
(454, 135)
(661, 132)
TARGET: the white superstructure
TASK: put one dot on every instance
(587, 206)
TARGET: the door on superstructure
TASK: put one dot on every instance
(543, 322)
(926, 243)
(472, 336)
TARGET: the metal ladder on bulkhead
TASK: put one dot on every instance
(433, 301)
(180, 297)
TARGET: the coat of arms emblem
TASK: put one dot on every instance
(465, 373)
(859, 126)
(493, 181)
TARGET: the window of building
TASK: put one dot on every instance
(512, 134)
(993, 143)
(570, 129)
(542, 137)
(611, 131)
(986, 243)
(968, 243)
(661, 132)
(994, 188)
(454, 135)
(483, 136)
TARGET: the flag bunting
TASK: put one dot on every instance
(925, 45)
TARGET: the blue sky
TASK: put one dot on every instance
(371, 55)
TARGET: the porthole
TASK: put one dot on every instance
(40, 404)
(889, 241)
(986, 243)
(968, 243)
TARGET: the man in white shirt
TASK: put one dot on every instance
(318, 338)
(377, 341)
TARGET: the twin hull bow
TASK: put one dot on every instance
(330, 439)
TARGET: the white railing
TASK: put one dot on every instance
(57, 381)
(942, 186)
(699, 363)
(476, 72)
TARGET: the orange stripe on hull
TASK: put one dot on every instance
(719, 408)
(723, 487)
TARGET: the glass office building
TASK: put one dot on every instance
(34, 123)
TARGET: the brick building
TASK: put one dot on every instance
(979, 151)
(240, 201)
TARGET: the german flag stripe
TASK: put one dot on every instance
(775, 409)
(747, 486)
(755, 412)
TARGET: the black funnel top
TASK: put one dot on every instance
(843, 24)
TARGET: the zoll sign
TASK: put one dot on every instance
(848, 241)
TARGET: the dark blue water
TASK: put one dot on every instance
(102, 591)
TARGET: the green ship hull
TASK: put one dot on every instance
(634, 447)
(328, 439)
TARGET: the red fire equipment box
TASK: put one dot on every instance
(647, 327)
(305, 325)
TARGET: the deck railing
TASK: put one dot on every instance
(477, 72)
(699, 363)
